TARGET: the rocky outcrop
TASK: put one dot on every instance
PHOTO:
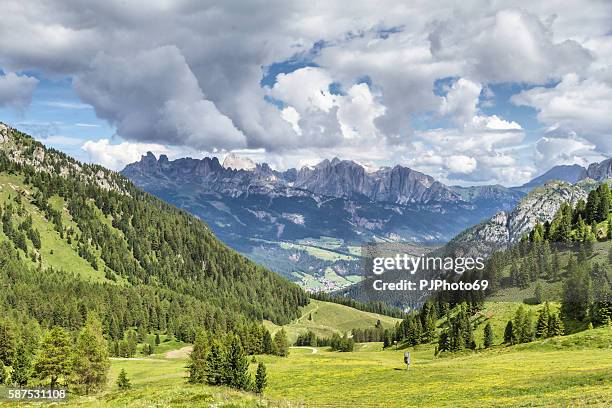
(540, 205)
(4, 133)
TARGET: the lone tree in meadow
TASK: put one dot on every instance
(123, 382)
(90, 362)
(261, 380)
(53, 359)
(488, 336)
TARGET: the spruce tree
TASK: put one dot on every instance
(215, 365)
(604, 202)
(21, 367)
(577, 291)
(123, 382)
(542, 324)
(236, 364)
(197, 359)
(509, 333)
(53, 358)
(555, 326)
(90, 362)
(537, 293)
(267, 344)
(3, 374)
(261, 380)
(7, 342)
(444, 341)
(280, 340)
(488, 336)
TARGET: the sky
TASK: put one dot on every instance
(470, 92)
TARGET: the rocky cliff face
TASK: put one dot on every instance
(540, 205)
(600, 171)
(399, 185)
(335, 178)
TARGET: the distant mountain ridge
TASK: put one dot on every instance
(568, 173)
(310, 222)
(572, 174)
(330, 178)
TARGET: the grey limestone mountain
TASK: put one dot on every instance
(308, 224)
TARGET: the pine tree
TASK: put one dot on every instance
(260, 378)
(7, 342)
(604, 202)
(555, 326)
(53, 358)
(90, 363)
(537, 294)
(488, 335)
(509, 333)
(444, 341)
(3, 374)
(22, 366)
(577, 291)
(280, 340)
(236, 364)
(542, 324)
(267, 344)
(197, 359)
(215, 365)
(123, 382)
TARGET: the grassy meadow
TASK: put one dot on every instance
(573, 370)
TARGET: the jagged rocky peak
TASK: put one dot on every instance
(235, 162)
(600, 171)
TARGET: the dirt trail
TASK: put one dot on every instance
(180, 353)
(313, 349)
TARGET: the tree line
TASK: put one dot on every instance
(55, 358)
(222, 360)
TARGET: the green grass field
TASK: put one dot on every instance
(573, 370)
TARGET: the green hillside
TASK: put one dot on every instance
(325, 319)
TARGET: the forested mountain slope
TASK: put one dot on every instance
(78, 238)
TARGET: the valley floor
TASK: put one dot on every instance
(573, 370)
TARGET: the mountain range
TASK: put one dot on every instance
(308, 224)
